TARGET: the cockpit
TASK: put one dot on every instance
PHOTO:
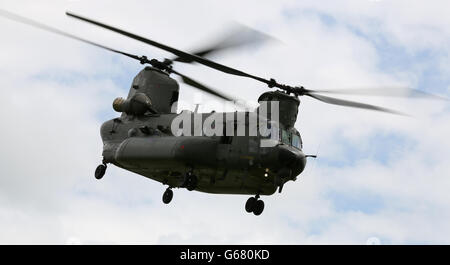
(289, 137)
(292, 138)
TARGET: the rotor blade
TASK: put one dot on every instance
(383, 92)
(348, 103)
(176, 52)
(202, 87)
(36, 24)
(237, 37)
(30, 22)
(189, 81)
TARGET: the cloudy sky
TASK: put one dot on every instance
(379, 177)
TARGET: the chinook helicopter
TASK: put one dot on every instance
(142, 139)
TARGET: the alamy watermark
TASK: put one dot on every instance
(261, 122)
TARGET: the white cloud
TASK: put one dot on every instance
(54, 91)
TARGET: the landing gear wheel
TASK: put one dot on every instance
(192, 182)
(100, 171)
(167, 196)
(250, 204)
(258, 207)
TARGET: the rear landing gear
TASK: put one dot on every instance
(100, 171)
(167, 196)
(250, 204)
(254, 205)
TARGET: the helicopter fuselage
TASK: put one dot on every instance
(144, 142)
(222, 164)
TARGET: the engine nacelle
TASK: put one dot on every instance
(138, 104)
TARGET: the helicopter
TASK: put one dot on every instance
(143, 140)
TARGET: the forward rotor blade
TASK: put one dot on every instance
(353, 104)
(30, 22)
(202, 87)
(41, 26)
(383, 92)
(188, 56)
(239, 36)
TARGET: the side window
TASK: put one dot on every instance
(285, 137)
(296, 141)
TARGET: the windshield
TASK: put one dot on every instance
(291, 138)
(284, 136)
(296, 141)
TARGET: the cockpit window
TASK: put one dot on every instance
(274, 132)
(296, 141)
(285, 137)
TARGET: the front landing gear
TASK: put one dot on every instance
(167, 196)
(254, 205)
(100, 171)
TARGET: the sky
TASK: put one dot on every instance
(378, 177)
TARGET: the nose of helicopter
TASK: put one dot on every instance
(292, 158)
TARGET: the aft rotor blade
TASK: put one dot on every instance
(176, 52)
(353, 104)
(239, 36)
(383, 92)
(30, 22)
(202, 87)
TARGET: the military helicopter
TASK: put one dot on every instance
(142, 141)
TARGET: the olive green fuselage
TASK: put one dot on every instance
(238, 165)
